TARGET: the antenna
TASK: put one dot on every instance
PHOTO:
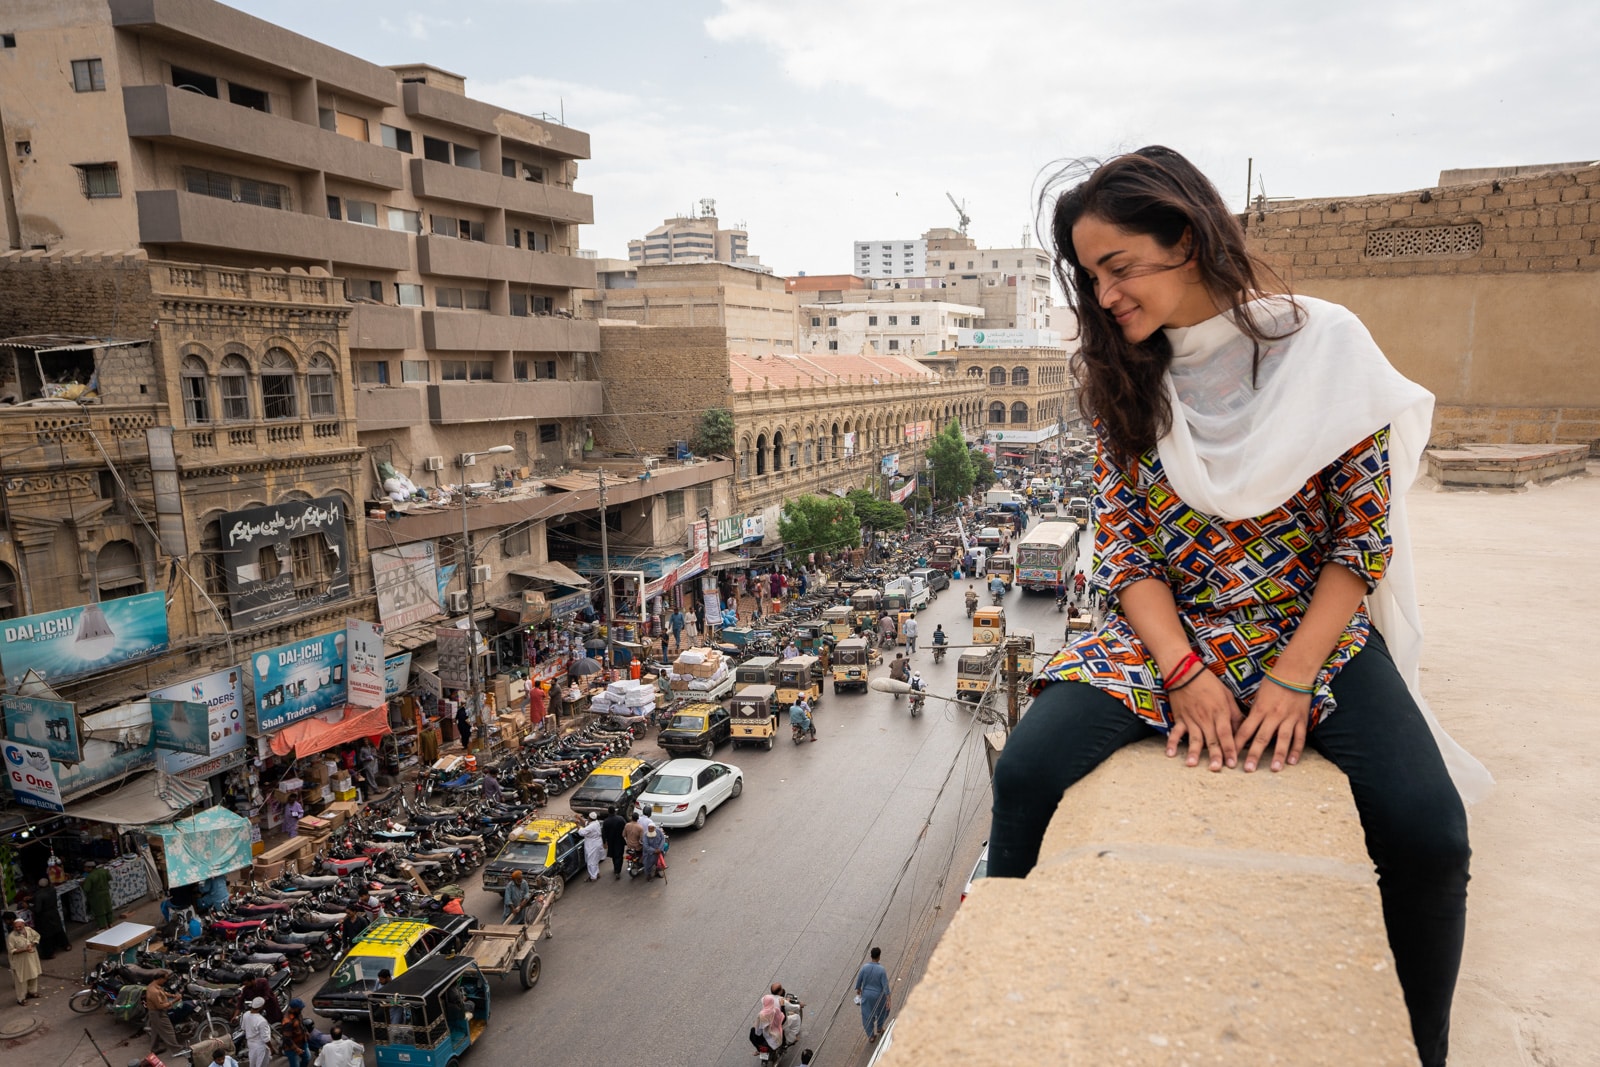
(1027, 237)
(961, 211)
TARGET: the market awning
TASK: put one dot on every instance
(721, 561)
(216, 841)
(310, 736)
(553, 571)
(150, 798)
(1015, 455)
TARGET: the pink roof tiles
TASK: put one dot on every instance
(821, 370)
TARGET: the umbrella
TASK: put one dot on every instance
(583, 667)
(594, 643)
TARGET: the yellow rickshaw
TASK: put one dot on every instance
(799, 676)
(865, 607)
(758, 670)
(1004, 567)
(988, 626)
(852, 660)
(837, 619)
(755, 716)
(975, 673)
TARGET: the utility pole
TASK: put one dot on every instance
(1013, 677)
(605, 570)
(474, 713)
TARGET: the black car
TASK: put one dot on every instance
(537, 847)
(613, 786)
(936, 578)
(393, 945)
(697, 730)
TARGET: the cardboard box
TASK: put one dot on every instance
(346, 794)
(266, 870)
(312, 826)
(339, 813)
(342, 782)
(320, 773)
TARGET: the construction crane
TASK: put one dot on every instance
(961, 211)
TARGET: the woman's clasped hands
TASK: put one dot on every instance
(1207, 717)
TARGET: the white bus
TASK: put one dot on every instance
(1048, 556)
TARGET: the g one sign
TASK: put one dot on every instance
(33, 779)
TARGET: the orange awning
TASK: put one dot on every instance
(310, 736)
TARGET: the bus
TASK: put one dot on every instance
(1047, 556)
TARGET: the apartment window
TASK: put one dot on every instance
(99, 180)
(405, 221)
(446, 297)
(351, 126)
(549, 434)
(244, 96)
(196, 391)
(994, 264)
(88, 76)
(537, 242)
(435, 149)
(313, 561)
(480, 370)
(466, 229)
(816, 320)
(541, 305)
(1019, 262)
(1019, 412)
(413, 370)
(335, 211)
(361, 212)
(408, 295)
(872, 320)
(363, 291)
(520, 369)
(545, 368)
(894, 345)
(118, 571)
(394, 137)
(468, 157)
(969, 264)
(233, 383)
(515, 542)
(476, 299)
(239, 190)
(277, 385)
(319, 388)
(8, 40)
(833, 346)
(374, 372)
(515, 168)
(462, 370)
(519, 304)
(515, 238)
(833, 320)
(916, 320)
(194, 82)
(997, 414)
(894, 320)
(675, 504)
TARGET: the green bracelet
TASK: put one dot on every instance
(1303, 690)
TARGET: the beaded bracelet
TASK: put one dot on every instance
(1303, 690)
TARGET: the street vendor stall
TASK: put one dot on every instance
(216, 841)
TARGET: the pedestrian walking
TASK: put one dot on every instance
(677, 629)
(257, 1033)
(464, 726)
(97, 890)
(908, 630)
(22, 946)
(292, 1032)
(611, 833)
(654, 844)
(340, 1051)
(48, 922)
(594, 845)
(158, 1004)
(872, 993)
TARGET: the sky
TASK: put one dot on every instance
(818, 124)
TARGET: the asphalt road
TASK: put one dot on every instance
(863, 838)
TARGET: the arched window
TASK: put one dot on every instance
(1019, 375)
(810, 453)
(234, 384)
(777, 450)
(320, 396)
(277, 386)
(974, 372)
(794, 451)
(1019, 412)
(997, 414)
(997, 376)
(196, 390)
(117, 572)
(761, 454)
(9, 607)
(744, 457)
(833, 451)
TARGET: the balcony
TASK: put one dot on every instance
(379, 326)
(462, 185)
(206, 445)
(383, 407)
(450, 402)
(468, 114)
(479, 331)
(172, 116)
(455, 258)
(175, 217)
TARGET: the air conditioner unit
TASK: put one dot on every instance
(480, 574)
(651, 462)
(469, 459)
(434, 463)
(458, 602)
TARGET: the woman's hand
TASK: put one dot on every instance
(1205, 712)
(1277, 713)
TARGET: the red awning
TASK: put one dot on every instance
(310, 736)
(1015, 455)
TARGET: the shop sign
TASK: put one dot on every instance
(48, 724)
(730, 532)
(180, 726)
(570, 604)
(650, 566)
(891, 463)
(535, 608)
(364, 663)
(295, 681)
(918, 431)
(117, 742)
(428, 684)
(222, 694)
(406, 581)
(258, 551)
(452, 644)
(396, 674)
(903, 493)
(58, 645)
(33, 779)
(755, 528)
(1021, 338)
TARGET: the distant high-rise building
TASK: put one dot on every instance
(1012, 285)
(692, 239)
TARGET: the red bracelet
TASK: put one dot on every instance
(1183, 667)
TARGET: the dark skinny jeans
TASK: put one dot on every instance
(1413, 818)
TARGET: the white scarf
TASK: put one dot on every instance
(1237, 451)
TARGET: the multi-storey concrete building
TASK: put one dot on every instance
(904, 328)
(1011, 285)
(754, 309)
(1027, 395)
(691, 239)
(891, 259)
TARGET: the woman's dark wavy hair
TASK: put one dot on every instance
(1153, 191)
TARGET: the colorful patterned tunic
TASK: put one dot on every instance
(1241, 587)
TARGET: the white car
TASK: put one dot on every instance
(685, 791)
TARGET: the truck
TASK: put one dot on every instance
(911, 590)
(997, 497)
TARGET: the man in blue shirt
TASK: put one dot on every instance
(872, 993)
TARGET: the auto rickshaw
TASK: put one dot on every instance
(755, 716)
(431, 1015)
(800, 676)
(837, 620)
(1003, 566)
(865, 606)
(944, 557)
(988, 626)
(852, 660)
(760, 670)
(812, 638)
(975, 673)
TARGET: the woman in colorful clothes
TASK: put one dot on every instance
(1254, 452)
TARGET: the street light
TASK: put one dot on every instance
(465, 460)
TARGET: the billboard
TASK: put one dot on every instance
(890, 464)
(222, 693)
(1008, 338)
(180, 726)
(452, 646)
(364, 663)
(396, 674)
(59, 645)
(730, 532)
(270, 553)
(295, 681)
(117, 742)
(33, 779)
(406, 579)
(48, 724)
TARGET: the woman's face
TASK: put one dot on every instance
(1143, 285)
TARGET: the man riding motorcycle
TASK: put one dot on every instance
(800, 720)
(997, 588)
(938, 643)
(919, 690)
(972, 601)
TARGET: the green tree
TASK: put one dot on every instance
(983, 476)
(818, 524)
(714, 434)
(876, 514)
(951, 463)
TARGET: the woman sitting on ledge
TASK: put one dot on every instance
(1254, 452)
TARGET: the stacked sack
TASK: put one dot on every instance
(698, 670)
(627, 698)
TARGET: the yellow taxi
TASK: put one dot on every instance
(536, 847)
(613, 786)
(393, 945)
